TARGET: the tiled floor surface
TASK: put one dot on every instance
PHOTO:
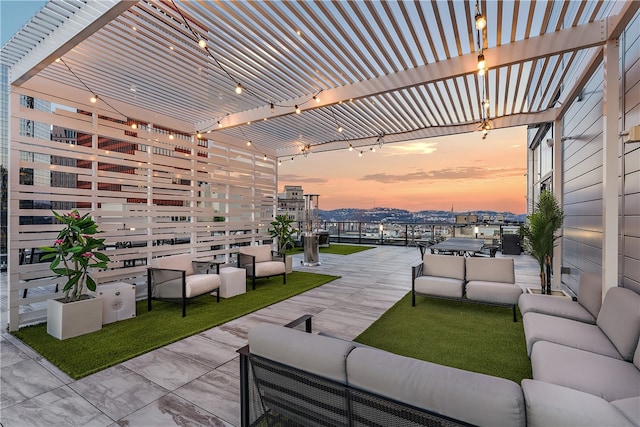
(195, 382)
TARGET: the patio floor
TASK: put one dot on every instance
(196, 381)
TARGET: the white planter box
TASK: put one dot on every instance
(71, 319)
(288, 264)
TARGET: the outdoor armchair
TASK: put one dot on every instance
(261, 261)
(176, 278)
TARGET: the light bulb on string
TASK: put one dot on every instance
(360, 154)
(350, 147)
(298, 111)
(239, 89)
(134, 125)
(279, 162)
(249, 143)
(94, 98)
(219, 124)
(170, 136)
(481, 21)
(202, 43)
(340, 129)
(481, 62)
(199, 134)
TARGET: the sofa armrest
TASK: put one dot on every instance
(247, 262)
(550, 404)
(416, 270)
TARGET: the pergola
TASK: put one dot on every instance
(401, 70)
(315, 76)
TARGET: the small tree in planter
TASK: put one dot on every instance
(74, 252)
(282, 230)
(539, 234)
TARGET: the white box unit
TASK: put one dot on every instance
(118, 301)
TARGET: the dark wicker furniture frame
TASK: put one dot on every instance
(273, 394)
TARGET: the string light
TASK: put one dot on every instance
(360, 154)
(481, 62)
(202, 43)
(340, 129)
(134, 125)
(94, 98)
(170, 136)
(199, 134)
(298, 111)
(219, 124)
(239, 89)
(350, 147)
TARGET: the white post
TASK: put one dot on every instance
(610, 173)
(558, 190)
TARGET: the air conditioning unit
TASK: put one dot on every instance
(118, 301)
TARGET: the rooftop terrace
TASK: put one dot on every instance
(196, 381)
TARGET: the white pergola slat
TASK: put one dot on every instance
(400, 68)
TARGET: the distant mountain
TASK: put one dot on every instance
(403, 215)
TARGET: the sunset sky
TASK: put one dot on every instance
(460, 170)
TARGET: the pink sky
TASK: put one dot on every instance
(460, 170)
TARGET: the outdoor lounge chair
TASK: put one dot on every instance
(261, 261)
(175, 278)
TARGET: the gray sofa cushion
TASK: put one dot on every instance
(552, 405)
(608, 378)
(443, 266)
(590, 292)
(439, 286)
(542, 327)
(318, 355)
(490, 270)
(555, 306)
(630, 407)
(494, 292)
(619, 319)
(467, 396)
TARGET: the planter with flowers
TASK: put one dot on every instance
(73, 255)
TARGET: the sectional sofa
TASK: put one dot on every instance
(291, 377)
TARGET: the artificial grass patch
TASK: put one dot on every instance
(336, 249)
(164, 324)
(474, 337)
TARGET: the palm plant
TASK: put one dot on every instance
(282, 230)
(539, 234)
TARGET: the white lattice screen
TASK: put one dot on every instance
(153, 192)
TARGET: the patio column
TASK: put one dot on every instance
(558, 191)
(610, 170)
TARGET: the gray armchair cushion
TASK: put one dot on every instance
(490, 270)
(269, 268)
(554, 306)
(608, 378)
(318, 355)
(443, 266)
(542, 327)
(552, 405)
(196, 284)
(467, 396)
(619, 319)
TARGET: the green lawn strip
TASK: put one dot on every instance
(474, 337)
(335, 249)
(164, 324)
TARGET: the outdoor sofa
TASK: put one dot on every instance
(481, 280)
(290, 377)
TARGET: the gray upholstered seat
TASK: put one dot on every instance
(585, 309)
(441, 276)
(606, 377)
(175, 278)
(615, 335)
(261, 261)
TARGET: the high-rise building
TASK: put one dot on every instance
(291, 202)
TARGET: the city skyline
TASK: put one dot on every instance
(463, 171)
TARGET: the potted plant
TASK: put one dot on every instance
(72, 255)
(282, 231)
(539, 234)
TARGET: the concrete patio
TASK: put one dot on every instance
(196, 381)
